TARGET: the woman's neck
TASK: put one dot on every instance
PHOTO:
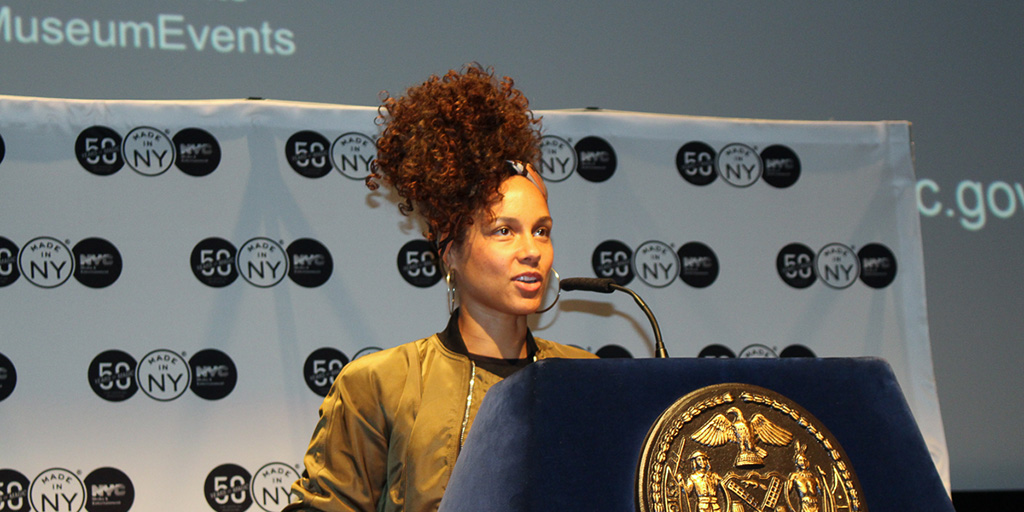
(500, 336)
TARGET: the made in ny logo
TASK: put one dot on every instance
(48, 262)
(738, 164)
(837, 265)
(163, 375)
(148, 151)
(656, 264)
(104, 489)
(310, 154)
(262, 262)
(592, 157)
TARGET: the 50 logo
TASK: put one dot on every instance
(737, 164)
(324, 364)
(656, 263)
(418, 264)
(163, 375)
(147, 151)
(311, 155)
(48, 262)
(261, 262)
(837, 265)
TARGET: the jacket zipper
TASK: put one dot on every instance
(469, 403)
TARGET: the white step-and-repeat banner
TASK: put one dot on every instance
(180, 280)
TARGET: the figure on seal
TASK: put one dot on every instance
(702, 483)
(804, 483)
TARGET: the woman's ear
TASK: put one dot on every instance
(448, 257)
(445, 260)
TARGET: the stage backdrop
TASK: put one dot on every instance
(180, 281)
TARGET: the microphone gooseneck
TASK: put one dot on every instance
(608, 285)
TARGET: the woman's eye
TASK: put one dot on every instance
(503, 231)
(542, 232)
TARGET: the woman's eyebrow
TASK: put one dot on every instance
(514, 220)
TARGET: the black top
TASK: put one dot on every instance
(452, 339)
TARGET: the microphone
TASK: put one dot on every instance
(590, 284)
(608, 285)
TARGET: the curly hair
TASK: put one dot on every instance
(445, 143)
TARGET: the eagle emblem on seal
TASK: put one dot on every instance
(720, 430)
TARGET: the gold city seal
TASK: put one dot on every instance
(742, 448)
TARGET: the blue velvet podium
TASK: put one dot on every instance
(566, 435)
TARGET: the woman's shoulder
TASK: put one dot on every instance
(547, 348)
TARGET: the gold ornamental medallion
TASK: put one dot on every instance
(743, 448)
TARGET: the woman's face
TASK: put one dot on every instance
(501, 267)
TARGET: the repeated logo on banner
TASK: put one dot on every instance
(837, 265)
(162, 374)
(739, 165)
(228, 488)
(48, 262)
(755, 350)
(104, 489)
(656, 263)
(311, 155)
(147, 151)
(261, 262)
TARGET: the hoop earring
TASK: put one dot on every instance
(557, 295)
(449, 282)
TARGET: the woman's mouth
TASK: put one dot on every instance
(528, 282)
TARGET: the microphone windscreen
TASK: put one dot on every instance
(590, 284)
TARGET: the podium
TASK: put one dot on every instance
(566, 435)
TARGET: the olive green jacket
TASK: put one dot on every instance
(392, 426)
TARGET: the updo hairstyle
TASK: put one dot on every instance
(445, 144)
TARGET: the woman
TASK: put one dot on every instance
(392, 425)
